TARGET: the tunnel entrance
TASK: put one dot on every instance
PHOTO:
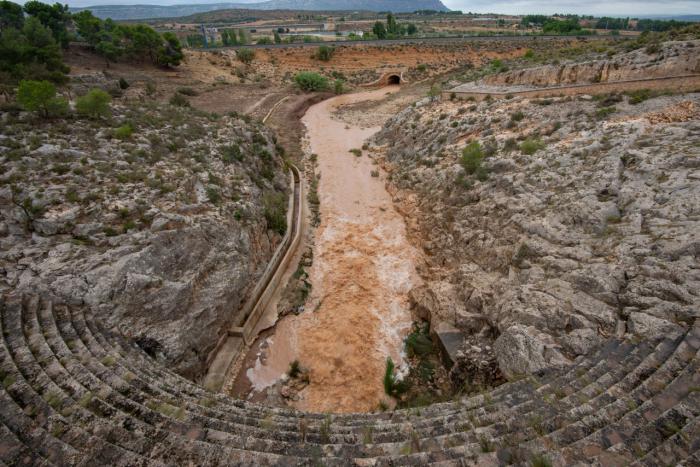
(394, 79)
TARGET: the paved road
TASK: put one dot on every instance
(421, 40)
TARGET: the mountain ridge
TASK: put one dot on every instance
(145, 11)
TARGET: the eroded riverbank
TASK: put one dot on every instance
(357, 313)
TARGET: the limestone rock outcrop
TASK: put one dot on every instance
(161, 232)
(675, 58)
(576, 226)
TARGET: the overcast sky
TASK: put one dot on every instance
(590, 7)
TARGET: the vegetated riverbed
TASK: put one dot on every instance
(357, 313)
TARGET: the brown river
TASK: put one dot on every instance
(357, 313)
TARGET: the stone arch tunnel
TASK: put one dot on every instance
(392, 76)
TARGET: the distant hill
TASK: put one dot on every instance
(675, 17)
(126, 12)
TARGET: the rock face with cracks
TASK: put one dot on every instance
(674, 58)
(161, 233)
(579, 224)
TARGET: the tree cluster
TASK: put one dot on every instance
(567, 26)
(612, 23)
(309, 81)
(659, 25)
(134, 42)
(392, 29)
(31, 46)
(41, 97)
(32, 38)
(231, 37)
(550, 25)
(538, 20)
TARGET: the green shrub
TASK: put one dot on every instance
(294, 369)
(419, 343)
(389, 378)
(123, 84)
(94, 104)
(213, 195)
(170, 51)
(310, 81)
(72, 195)
(472, 156)
(638, 96)
(531, 146)
(653, 48)
(435, 90)
(338, 86)
(178, 100)
(245, 55)
(517, 116)
(605, 111)
(607, 100)
(58, 107)
(540, 460)
(187, 91)
(214, 180)
(482, 174)
(231, 153)
(324, 53)
(485, 444)
(40, 96)
(275, 210)
(124, 132)
(129, 225)
(60, 169)
(392, 387)
(497, 66)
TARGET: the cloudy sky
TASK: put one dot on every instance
(591, 7)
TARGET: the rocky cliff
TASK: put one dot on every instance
(671, 59)
(155, 219)
(578, 222)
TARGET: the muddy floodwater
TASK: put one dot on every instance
(357, 313)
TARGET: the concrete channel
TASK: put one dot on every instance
(242, 333)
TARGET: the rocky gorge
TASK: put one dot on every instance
(552, 225)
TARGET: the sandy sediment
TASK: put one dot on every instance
(364, 266)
